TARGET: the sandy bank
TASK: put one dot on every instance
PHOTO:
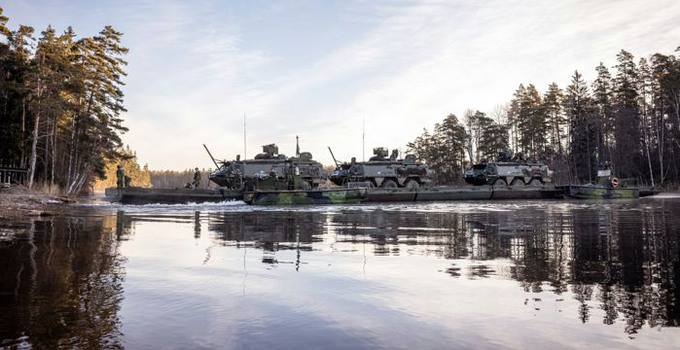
(18, 202)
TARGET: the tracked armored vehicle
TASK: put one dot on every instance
(383, 171)
(232, 174)
(508, 171)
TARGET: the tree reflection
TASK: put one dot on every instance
(61, 286)
(619, 261)
(619, 265)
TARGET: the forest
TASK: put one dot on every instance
(628, 118)
(60, 105)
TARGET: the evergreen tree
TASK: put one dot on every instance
(477, 124)
(61, 97)
(11, 72)
(666, 91)
(530, 122)
(627, 130)
(602, 99)
(485, 138)
(46, 85)
(444, 150)
(494, 140)
(14, 124)
(552, 107)
(646, 103)
(96, 123)
(583, 143)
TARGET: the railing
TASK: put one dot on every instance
(11, 175)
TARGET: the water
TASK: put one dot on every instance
(457, 275)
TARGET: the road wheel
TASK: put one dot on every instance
(412, 185)
(389, 184)
(517, 182)
(500, 183)
(536, 183)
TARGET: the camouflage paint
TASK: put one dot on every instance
(488, 173)
(602, 192)
(328, 196)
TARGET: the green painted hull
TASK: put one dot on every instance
(294, 197)
(602, 192)
(462, 194)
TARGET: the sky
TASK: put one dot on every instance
(350, 75)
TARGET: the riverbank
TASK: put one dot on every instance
(18, 202)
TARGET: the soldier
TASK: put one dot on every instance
(197, 179)
(394, 155)
(120, 178)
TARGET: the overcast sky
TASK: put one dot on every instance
(332, 71)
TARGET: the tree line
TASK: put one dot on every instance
(179, 179)
(60, 104)
(628, 118)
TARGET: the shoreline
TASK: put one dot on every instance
(18, 202)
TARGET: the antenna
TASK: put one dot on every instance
(297, 146)
(363, 142)
(245, 154)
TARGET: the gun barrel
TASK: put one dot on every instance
(211, 157)
(336, 162)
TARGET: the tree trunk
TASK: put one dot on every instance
(34, 150)
(54, 152)
(649, 159)
(645, 126)
(661, 140)
(23, 132)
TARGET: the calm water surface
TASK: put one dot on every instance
(457, 275)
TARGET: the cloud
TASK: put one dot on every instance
(324, 70)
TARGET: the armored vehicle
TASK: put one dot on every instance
(269, 189)
(383, 171)
(508, 171)
(232, 174)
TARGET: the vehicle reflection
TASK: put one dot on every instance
(62, 279)
(622, 262)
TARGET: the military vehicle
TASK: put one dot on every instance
(513, 171)
(382, 171)
(232, 174)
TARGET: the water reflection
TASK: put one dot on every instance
(60, 285)
(614, 258)
(64, 278)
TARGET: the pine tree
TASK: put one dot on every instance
(12, 97)
(476, 124)
(579, 111)
(47, 84)
(552, 107)
(646, 103)
(666, 102)
(485, 138)
(529, 122)
(494, 140)
(96, 121)
(602, 99)
(444, 150)
(627, 126)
